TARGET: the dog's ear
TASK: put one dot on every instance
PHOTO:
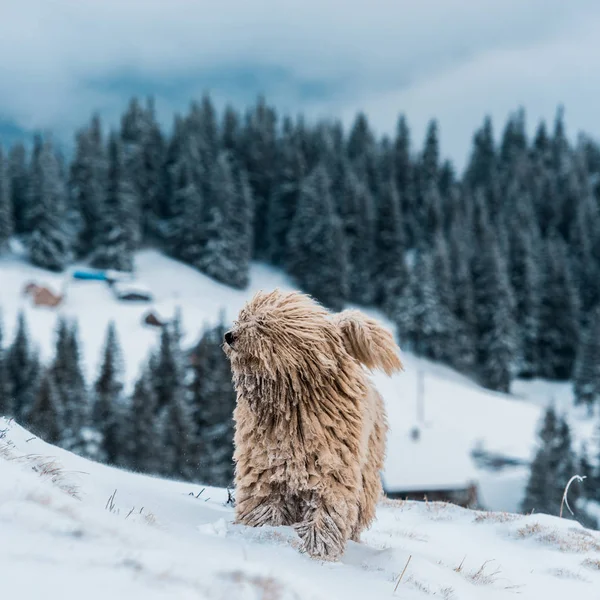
(368, 341)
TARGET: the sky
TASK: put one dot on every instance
(455, 60)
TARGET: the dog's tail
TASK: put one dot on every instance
(368, 342)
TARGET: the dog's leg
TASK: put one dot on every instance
(257, 510)
(327, 523)
(370, 489)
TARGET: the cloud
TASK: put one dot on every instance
(456, 59)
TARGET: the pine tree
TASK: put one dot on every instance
(185, 232)
(23, 368)
(258, 151)
(144, 444)
(494, 307)
(356, 208)
(584, 247)
(168, 373)
(316, 246)
(68, 384)
(524, 264)
(551, 469)
(46, 417)
(49, 245)
(213, 401)
(109, 411)
(390, 273)
(559, 313)
(6, 209)
(228, 233)
(88, 182)
(6, 399)
(144, 156)
(18, 176)
(425, 324)
(586, 377)
(484, 161)
(283, 200)
(120, 227)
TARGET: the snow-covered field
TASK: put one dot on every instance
(458, 415)
(74, 529)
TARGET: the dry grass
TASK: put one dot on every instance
(570, 540)
(566, 574)
(484, 575)
(391, 503)
(590, 563)
(47, 468)
(496, 517)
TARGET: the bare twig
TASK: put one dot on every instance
(110, 504)
(402, 574)
(565, 500)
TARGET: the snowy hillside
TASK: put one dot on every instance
(458, 415)
(75, 529)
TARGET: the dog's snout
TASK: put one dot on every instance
(229, 338)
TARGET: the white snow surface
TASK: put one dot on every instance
(73, 529)
(458, 414)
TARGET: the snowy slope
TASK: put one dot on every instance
(75, 529)
(458, 414)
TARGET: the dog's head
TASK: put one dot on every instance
(282, 334)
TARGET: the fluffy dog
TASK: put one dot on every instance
(310, 426)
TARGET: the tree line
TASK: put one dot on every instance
(495, 271)
(175, 422)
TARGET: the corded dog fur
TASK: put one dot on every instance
(310, 426)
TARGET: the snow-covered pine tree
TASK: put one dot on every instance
(46, 416)
(524, 264)
(494, 306)
(168, 380)
(283, 200)
(6, 208)
(586, 377)
(356, 208)
(69, 385)
(185, 229)
(50, 245)
(6, 400)
(230, 131)
(144, 156)
(390, 273)
(23, 366)
(228, 232)
(18, 175)
(109, 410)
(120, 226)
(316, 246)
(404, 168)
(213, 401)
(559, 313)
(584, 249)
(483, 163)
(258, 151)
(460, 253)
(425, 324)
(551, 469)
(429, 163)
(87, 183)
(143, 450)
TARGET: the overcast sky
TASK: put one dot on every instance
(456, 60)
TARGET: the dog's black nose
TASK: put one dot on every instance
(229, 338)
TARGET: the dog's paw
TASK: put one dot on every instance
(319, 541)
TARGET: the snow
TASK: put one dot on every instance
(458, 415)
(77, 529)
